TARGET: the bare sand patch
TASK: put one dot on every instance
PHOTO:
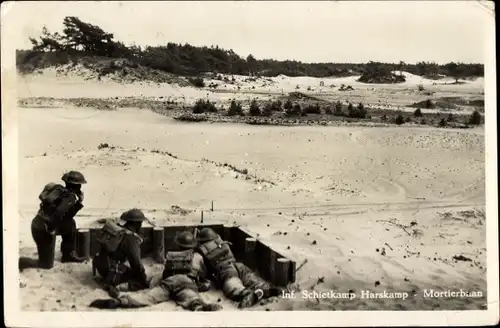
(337, 196)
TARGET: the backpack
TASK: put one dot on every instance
(178, 263)
(111, 235)
(51, 194)
(216, 252)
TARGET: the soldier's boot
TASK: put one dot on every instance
(128, 302)
(112, 291)
(212, 307)
(250, 298)
(26, 262)
(111, 303)
(72, 257)
(199, 305)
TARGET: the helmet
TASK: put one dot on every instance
(186, 240)
(73, 177)
(133, 215)
(207, 234)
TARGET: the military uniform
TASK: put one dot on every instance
(183, 277)
(117, 246)
(238, 282)
(58, 207)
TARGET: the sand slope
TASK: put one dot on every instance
(348, 189)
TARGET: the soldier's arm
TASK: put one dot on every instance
(203, 282)
(67, 203)
(132, 247)
(203, 272)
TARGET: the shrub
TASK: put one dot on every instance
(254, 109)
(383, 118)
(338, 109)
(418, 113)
(203, 106)
(268, 109)
(450, 118)
(328, 110)
(188, 117)
(350, 108)
(408, 119)
(235, 109)
(475, 118)
(276, 106)
(358, 112)
(442, 123)
(312, 109)
(197, 82)
(361, 111)
(429, 104)
(399, 119)
(288, 105)
(294, 111)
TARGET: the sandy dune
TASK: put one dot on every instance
(55, 84)
(362, 205)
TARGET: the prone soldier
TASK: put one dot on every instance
(183, 277)
(237, 281)
(58, 207)
(119, 243)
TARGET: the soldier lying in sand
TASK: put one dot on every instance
(237, 281)
(184, 276)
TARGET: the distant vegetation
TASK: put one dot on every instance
(80, 39)
(379, 73)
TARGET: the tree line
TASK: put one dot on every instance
(82, 38)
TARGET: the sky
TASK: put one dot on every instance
(309, 31)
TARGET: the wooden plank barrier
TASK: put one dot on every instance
(83, 243)
(147, 241)
(292, 274)
(249, 252)
(227, 234)
(159, 244)
(282, 268)
(263, 255)
(269, 264)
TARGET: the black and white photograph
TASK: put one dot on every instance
(260, 163)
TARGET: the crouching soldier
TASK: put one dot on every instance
(183, 277)
(237, 281)
(58, 207)
(119, 243)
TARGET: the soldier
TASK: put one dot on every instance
(238, 282)
(119, 244)
(183, 277)
(58, 207)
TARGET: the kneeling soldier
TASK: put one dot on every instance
(119, 244)
(184, 276)
(58, 208)
(238, 282)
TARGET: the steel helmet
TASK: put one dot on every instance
(133, 215)
(186, 240)
(74, 177)
(207, 234)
